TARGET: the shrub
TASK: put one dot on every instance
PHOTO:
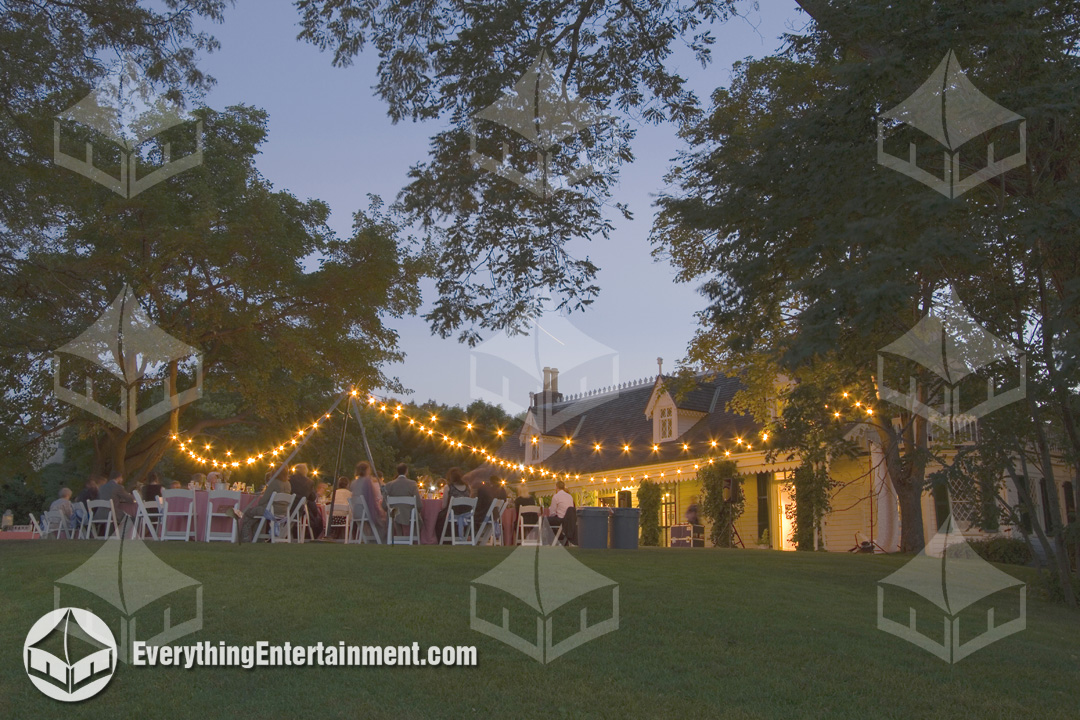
(1012, 551)
(722, 509)
(648, 497)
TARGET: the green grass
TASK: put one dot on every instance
(706, 633)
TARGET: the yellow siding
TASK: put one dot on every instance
(850, 503)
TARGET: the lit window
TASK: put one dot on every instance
(665, 423)
(535, 450)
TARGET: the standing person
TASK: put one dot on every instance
(366, 485)
(304, 489)
(692, 516)
(259, 509)
(402, 486)
(561, 503)
(152, 489)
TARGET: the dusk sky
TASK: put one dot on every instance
(330, 138)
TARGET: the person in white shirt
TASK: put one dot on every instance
(63, 506)
(561, 503)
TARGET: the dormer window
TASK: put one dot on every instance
(665, 423)
(535, 449)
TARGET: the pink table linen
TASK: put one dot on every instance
(178, 523)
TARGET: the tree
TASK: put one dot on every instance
(501, 250)
(801, 236)
(218, 259)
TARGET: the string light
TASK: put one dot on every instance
(397, 413)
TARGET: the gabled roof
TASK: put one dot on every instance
(618, 418)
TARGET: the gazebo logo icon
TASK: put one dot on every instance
(508, 365)
(137, 591)
(952, 345)
(952, 577)
(123, 109)
(541, 582)
(70, 654)
(126, 343)
(952, 111)
(539, 109)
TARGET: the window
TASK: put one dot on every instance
(667, 510)
(665, 423)
(535, 449)
(763, 504)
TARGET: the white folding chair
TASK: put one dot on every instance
(279, 508)
(35, 526)
(397, 505)
(358, 517)
(173, 508)
(524, 534)
(465, 508)
(147, 518)
(54, 523)
(300, 520)
(492, 519)
(102, 516)
(82, 517)
(226, 499)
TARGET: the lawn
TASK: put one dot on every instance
(703, 633)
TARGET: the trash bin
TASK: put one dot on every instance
(624, 528)
(592, 527)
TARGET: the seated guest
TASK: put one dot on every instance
(249, 521)
(342, 495)
(197, 482)
(62, 504)
(212, 480)
(488, 490)
(561, 502)
(152, 489)
(455, 488)
(402, 486)
(366, 485)
(524, 498)
(115, 492)
(304, 489)
(90, 489)
(176, 485)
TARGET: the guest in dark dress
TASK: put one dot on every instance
(304, 490)
(152, 489)
(455, 488)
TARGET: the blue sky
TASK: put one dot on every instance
(330, 138)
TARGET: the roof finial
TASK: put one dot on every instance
(660, 366)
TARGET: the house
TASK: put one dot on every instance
(604, 442)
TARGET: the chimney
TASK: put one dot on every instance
(551, 387)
